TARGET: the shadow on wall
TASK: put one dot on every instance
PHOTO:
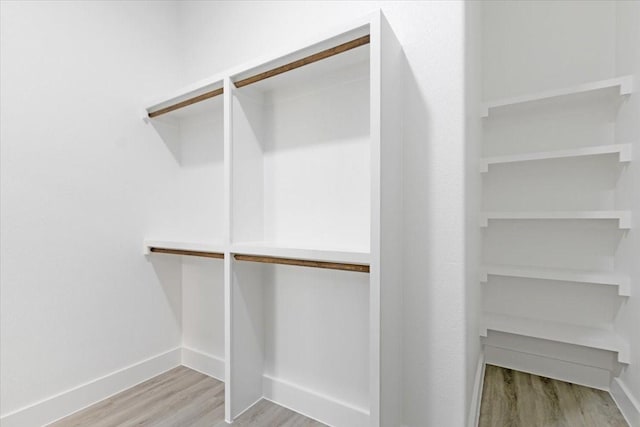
(168, 269)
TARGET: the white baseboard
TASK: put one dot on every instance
(628, 404)
(70, 401)
(313, 405)
(563, 370)
(476, 398)
(207, 364)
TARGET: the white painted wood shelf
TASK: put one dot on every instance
(312, 254)
(624, 83)
(602, 339)
(623, 282)
(623, 151)
(623, 217)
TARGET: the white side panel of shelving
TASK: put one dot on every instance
(247, 331)
(386, 230)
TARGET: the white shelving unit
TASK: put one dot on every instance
(602, 339)
(304, 220)
(623, 151)
(563, 275)
(623, 217)
(588, 108)
(623, 83)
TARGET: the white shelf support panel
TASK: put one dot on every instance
(622, 282)
(207, 250)
(601, 339)
(624, 83)
(623, 217)
(623, 151)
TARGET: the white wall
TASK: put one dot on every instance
(628, 130)
(83, 180)
(432, 36)
(531, 46)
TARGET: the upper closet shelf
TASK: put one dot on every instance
(206, 250)
(186, 97)
(602, 339)
(625, 83)
(623, 150)
(564, 275)
(623, 217)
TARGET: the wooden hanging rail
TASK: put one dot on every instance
(305, 61)
(361, 268)
(204, 254)
(187, 102)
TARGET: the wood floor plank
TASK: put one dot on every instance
(517, 399)
(179, 397)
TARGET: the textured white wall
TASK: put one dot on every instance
(82, 181)
(218, 35)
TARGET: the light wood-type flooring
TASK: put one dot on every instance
(180, 397)
(516, 399)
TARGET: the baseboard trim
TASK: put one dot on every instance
(548, 367)
(476, 398)
(627, 403)
(68, 402)
(207, 364)
(314, 405)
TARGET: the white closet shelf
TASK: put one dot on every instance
(602, 339)
(625, 83)
(623, 217)
(320, 255)
(623, 151)
(208, 250)
(580, 276)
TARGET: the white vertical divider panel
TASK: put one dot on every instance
(391, 272)
(246, 357)
(247, 164)
(228, 227)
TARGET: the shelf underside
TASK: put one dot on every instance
(624, 83)
(623, 217)
(623, 151)
(564, 275)
(601, 339)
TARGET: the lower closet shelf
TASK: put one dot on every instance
(206, 250)
(565, 275)
(602, 339)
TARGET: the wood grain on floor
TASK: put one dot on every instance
(179, 397)
(517, 399)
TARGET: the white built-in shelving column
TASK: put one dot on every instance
(307, 231)
(552, 222)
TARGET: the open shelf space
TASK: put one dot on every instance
(301, 156)
(623, 83)
(623, 217)
(277, 312)
(578, 276)
(602, 339)
(623, 151)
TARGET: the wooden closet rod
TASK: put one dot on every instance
(303, 263)
(187, 102)
(305, 61)
(187, 252)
